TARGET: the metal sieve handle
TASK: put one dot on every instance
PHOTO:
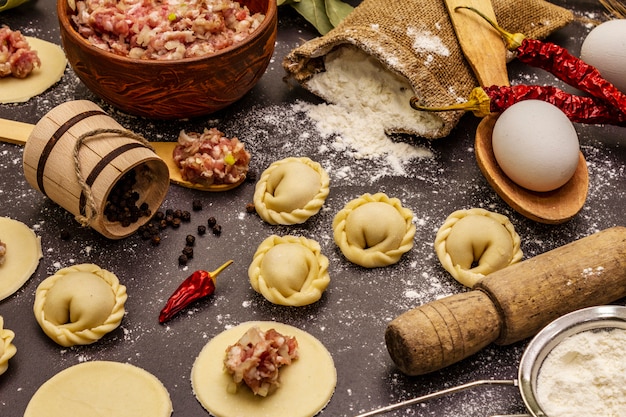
(439, 394)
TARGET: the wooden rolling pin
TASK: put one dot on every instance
(511, 304)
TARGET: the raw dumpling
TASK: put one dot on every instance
(476, 242)
(79, 304)
(7, 348)
(291, 190)
(289, 270)
(374, 230)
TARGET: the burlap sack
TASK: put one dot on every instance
(380, 29)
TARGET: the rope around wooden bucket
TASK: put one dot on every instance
(91, 209)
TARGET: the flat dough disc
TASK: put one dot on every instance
(22, 257)
(101, 388)
(306, 385)
(53, 63)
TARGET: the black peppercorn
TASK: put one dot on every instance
(182, 260)
(188, 252)
(190, 240)
(211, 221)
(217, 230)
(196, 205)
(201, 229)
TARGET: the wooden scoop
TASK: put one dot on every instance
(486, 53)
(18, 133)
(552, 207)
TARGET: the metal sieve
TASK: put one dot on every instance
(591, 318)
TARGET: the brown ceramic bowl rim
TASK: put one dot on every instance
(63, 7)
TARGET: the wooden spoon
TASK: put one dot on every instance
(552, 207)
(18, 133)
(485, 51)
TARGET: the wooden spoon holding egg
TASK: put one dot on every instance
(486, 54)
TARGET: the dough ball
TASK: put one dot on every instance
(374, 230)
(290, 191)
(7, 348)
(289, 270)
(79, 304)
(474, 243)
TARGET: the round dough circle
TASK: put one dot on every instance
(476, 242)
(291, 190)
(7, 348)
(374, 230)
(71, 310)
(101, 388)
(22, 257)
(289, 270)
(53, 63)
(307, 385)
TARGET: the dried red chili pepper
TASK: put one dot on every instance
(197, 285)
(561, 63)
(485, 100)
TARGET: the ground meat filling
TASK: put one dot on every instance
(209, 158)
(16, 57)
(3, 251)
(165, 30)
(256, 358)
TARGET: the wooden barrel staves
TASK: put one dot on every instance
(79, 156)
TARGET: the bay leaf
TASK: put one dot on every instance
(337, 10)
(314, 11)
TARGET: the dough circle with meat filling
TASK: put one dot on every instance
(23, 252)
(307, 384)
(7, 348)
(79, 304)
(53, 63)
(476, 242)
(289, 270)
(291, 190)
(101, 388)
(374, 230)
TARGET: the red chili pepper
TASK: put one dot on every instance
(197, 285)
(561, 63)
(483, 101)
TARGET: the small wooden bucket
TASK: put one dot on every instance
(77, 154)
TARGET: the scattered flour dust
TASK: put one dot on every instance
(366, 101)
(585, 375)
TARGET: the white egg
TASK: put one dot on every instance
(605, 48)
(536, 145)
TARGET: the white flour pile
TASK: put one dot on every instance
(367, 101)
(585, 375)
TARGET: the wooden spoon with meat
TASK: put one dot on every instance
(18, 133)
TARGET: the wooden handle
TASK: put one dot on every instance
(481, 44)
(15, 132)
(588, 272)
(443, 332)
(511, 304)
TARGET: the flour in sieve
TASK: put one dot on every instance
(585, 375)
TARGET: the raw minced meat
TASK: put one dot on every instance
(211, 158)
(256, 358)
(164, 30)
(16, 57)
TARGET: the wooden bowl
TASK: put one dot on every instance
(172, 89)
